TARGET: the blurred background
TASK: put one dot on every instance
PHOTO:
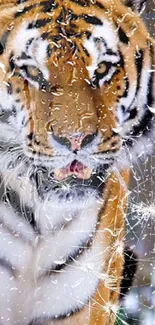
(139, 305)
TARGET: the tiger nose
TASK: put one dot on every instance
(75, 142)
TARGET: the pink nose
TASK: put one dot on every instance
(76, 142)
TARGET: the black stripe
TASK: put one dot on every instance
(100, 5)
(122, 36)
(133, 113)
(55, 38)
(45, 35)
(85, 51)
(130, 268)
(11, 63)
(121, 63)
(144, 125)
(49, 51)
(125, 94)
(61, 16)
(110, 52)
(21, 1)
(88, 34)
(71, 33)
(9, 88)
(48, 5)
(92, 20)
(84, 3)
(1, 48)
(39, 23)
(30, 136)
(3, 41)
(24, 11)
(150, 92)
(141, 5)
(73, 16)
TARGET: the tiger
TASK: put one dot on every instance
(76, 113)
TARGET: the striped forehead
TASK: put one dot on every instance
(31, 48)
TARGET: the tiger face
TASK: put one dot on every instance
(77, 93)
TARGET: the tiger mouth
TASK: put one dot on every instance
(76, 168)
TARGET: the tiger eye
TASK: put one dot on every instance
(102, 68)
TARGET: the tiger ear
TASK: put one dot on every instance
(136, 5)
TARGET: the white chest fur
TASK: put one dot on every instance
(54, 273)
